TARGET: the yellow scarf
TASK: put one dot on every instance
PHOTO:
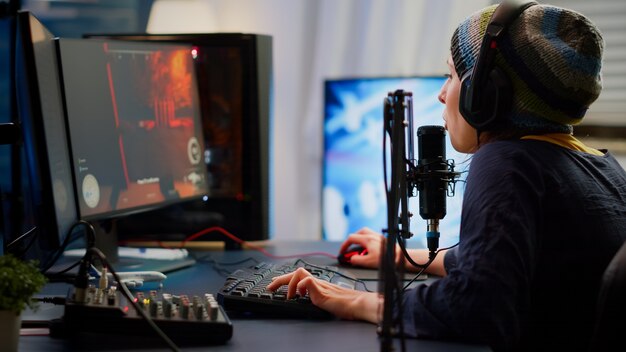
(566, 141)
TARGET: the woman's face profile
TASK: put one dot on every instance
(462, 135)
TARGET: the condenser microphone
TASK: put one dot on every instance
(434, 167)
(434, 173)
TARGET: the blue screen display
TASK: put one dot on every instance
(353, 189)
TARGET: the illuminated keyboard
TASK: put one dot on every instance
(244, 291)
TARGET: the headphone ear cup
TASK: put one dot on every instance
(465, 101)
(494, 101)
(501, 94)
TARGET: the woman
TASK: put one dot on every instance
(543, 213)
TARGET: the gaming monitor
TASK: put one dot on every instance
(133, 118)
(234, 73)
(48, 191)
(353, 191)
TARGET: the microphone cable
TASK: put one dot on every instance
(95, 251)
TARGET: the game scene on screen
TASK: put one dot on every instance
(135, 132)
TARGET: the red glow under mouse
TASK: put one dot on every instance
(345, 257)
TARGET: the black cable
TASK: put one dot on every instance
(402, 246)
(90, 239)
(130, 298)
(58, 301)
(419, 273)
(211, 260)
(30, 244)
(59, 275)
(15, 241)
(217, 265)
(426, 266)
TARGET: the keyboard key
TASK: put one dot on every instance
(245, 291)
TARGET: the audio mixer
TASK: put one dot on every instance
(184, 319)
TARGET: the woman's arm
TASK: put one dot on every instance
(420, 256)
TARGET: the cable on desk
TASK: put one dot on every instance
(53, 300)
(242, 242)
(399, 291)
(89, 236)
(60, 276)
(217, 265)
(95, 251)
(211, 260)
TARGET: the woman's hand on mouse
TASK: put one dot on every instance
(343, 302)
(370, 240)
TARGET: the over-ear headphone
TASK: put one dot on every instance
(486, 91)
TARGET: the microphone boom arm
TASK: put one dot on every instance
(406, 177)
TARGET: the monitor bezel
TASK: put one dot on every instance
(116, 214)
(252, 221)
(42, 195)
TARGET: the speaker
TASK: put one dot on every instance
(486, 92)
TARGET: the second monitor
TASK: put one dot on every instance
(134, 126)
(353, 180)
(234, 73)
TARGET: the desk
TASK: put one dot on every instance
(255, 334)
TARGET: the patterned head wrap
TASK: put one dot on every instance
(553, 58)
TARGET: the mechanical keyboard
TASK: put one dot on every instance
(184, 319)
(244, 290)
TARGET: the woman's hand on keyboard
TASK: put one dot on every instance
(343, 302)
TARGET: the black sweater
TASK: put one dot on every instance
(539, 225)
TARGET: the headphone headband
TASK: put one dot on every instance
(478, 81)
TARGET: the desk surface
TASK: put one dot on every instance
(255, 334)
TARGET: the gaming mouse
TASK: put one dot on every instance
(345, 257)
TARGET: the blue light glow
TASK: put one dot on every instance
(353, 186)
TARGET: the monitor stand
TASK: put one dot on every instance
(124, 259)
